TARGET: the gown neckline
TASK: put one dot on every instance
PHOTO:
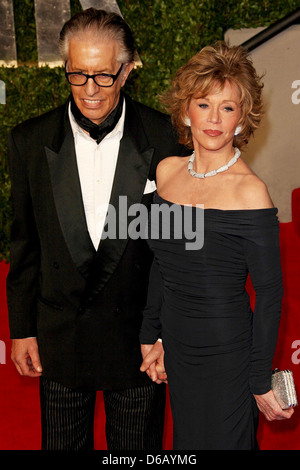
(272, 209)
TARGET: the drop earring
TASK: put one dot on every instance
(238, 130)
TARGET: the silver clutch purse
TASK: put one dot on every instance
(284, 388)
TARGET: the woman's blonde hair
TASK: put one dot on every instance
(214, 66)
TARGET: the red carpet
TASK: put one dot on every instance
(19, 401)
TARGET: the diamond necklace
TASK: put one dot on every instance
(231, 162)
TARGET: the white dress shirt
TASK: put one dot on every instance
(96, 167)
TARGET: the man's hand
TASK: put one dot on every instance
(270, 407)
(25, 356)
(153, 362)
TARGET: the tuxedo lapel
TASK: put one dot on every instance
(69, 205)
(134, 159)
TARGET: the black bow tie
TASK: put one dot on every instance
(98, 132)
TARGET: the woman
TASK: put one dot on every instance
(218, 354)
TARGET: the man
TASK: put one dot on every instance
(75, 300)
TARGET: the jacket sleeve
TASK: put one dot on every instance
(151, 325)
(22, 280)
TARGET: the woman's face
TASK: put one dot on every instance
(215, 117)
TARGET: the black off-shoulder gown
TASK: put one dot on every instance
(218, 353)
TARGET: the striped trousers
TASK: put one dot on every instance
(134, 417)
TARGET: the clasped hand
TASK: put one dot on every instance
(153, 362)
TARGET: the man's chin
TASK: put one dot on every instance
(95, 117)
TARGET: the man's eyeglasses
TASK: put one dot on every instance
(101, 79)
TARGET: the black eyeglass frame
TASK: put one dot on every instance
(114, 77)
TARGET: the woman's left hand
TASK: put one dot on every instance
(270, 407)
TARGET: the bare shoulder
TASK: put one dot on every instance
(253, 192)
(170, 162)
(169, 165)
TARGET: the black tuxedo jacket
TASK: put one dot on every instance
(84, 306)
